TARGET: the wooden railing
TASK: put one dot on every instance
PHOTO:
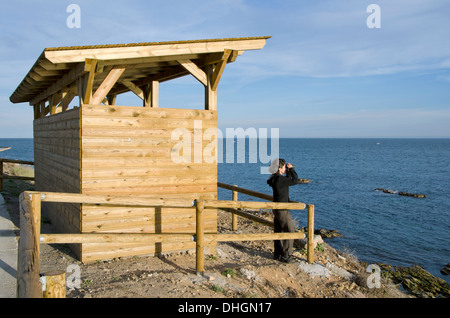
(6, 176)
(235, 190)
(28, 284)
(310, 209)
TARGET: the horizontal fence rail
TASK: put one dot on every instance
(6, 176)
(297, 205)
(28, 284)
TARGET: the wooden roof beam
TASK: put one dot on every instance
(105, 87)
(134, 88)
(72, 54)
(77, 71)
(196, 71)
(218, 70)
(89, 66)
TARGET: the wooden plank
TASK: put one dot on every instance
(173, 190)
(69, 78)
(249, 216)
(110, 80)
(245, 191)
(158, 49)
(135, 112)
(162, 170)
(253, 237)
(94, 212)
(114, 238)
(134, 88)
(146, 182)
(54, 100)
(68, 96)
(134, 124)
(197, 72)
(218, 70)
(111, 99)
(90, 66)
(253, 205)
(114, 200)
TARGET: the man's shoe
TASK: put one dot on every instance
(286, 259)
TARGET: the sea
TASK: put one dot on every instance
(376, 227)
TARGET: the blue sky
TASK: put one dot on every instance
(324, 72)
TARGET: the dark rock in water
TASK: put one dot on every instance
(414, 195)
(327, 233)
(446, 270)
(323, 232)
(386, 190)
(419, 282)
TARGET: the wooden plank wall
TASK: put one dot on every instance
(127, 151)
(57, 166)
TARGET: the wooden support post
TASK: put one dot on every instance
(55, 284)
(89, 66)
(234, 216)
(81, 89)
(111, 99)
(68, 96)
(210, 94)
(154, 98)
(37, 110)
(151, 94)
(200, 257)
(310, 243)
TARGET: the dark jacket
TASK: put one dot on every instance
(280, 184)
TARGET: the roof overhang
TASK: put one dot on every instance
(135, 64)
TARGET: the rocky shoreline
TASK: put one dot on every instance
(417, 281)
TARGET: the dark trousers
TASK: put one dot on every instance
(283, 223)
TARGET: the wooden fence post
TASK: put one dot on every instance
(234, 216)
(199, 238)
(55, 284)
(310, 246)
(28, 284)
